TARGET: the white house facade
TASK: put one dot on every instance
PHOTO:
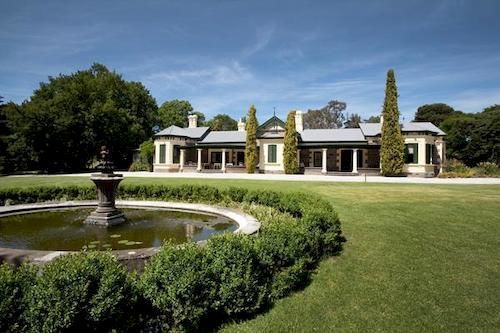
(349, 151)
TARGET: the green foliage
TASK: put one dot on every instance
(353, 121)
(251, 140)
(174, 112)
(373, 119)
(392, 147)
(435, 113)
(146, 156)
(139, 166)
(88, 292)
(329, 116)
(222, 122)
(177, 283)
(63, 124)
(240, 279)
(15, 286)
(183, 288)
(290, 161)
(457, 169)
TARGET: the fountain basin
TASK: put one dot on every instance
(243, 223)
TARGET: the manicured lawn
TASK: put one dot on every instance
(418, 258)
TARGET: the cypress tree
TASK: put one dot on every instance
(392, 148)
(251, 141)
(290, 145)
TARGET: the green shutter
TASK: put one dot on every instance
(428, 152)
(415, 155)
(163, 153)
(271, 153)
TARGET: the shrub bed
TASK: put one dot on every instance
(456, 169)
(183, 287)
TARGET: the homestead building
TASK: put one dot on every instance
(339, 151)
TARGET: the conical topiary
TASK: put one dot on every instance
(251, 140)
(392, 148)
(290, 145)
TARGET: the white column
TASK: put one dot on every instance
(199, 161)
(223, 167)
(157, 154)
(354, 161)
(323, 160)
(421, 152)
(181, 160)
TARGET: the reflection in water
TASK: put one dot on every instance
(65, 230)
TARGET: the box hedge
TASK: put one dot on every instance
(182, 288)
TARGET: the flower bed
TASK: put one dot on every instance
(182, 288)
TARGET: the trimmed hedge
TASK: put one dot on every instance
(182, 288)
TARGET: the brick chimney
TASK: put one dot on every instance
(193, 121)
(299, 121)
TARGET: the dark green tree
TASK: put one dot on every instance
(373, 119)
(392, 147)
(290, 145)
(222, 122)
(63, 124)
(329, 116)
(176, 113)
(353, 121)
(251, 140)
(435, 113)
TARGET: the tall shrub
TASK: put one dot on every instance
(251, 141)
(392, 148)
(290, 145)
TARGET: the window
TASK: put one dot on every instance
(163, 153)
(271, 153)
(360, 158)
(428, 153)
(177, 154)
(411, 153)
(317, 159)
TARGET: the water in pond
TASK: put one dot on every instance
(64, 230)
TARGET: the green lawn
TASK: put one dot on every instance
(418, 258)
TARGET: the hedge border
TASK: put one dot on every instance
(240, 275)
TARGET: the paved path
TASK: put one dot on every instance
(317, 178)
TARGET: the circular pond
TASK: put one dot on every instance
(64, 230)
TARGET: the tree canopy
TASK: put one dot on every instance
(434, 113)
(175, 112)
(353, 121)
(329, 116)
(373, 119)
(392, 147)
(251, 140)
(222, 122)
(63, 124)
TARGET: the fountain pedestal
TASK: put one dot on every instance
(106, 213)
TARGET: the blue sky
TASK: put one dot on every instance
(224, 55)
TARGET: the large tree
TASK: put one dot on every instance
(63, 124)
(175, 112)
(353, 121)
(392, 147)
(329, 116)
(251, 140)
(290, 145)
(435, 113)
(373, 119)
(222, 122)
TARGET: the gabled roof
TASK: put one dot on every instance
(192, 133)
(374, 129)
(224, 137)
(332, 135)
(271, 121)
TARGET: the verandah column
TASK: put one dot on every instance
(198, 168)
(323, 161)
(181, 161)
(223, 167)
(354, 161)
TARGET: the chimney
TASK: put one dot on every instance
(241, 126)
(193, 121)
(299, 121)
(381, 119)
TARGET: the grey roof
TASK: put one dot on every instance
(225, 136)
(332, 135)
(193, 133)
(374, 129)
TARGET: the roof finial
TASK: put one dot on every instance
(274, 117)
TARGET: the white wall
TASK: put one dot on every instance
(263, 164)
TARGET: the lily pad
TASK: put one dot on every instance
(123, 241)
(106, 245)
(95, 242)
(130, 243)
(138, 243)
(115, 236)
(91, 246)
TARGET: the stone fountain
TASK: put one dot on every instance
(106, 182)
